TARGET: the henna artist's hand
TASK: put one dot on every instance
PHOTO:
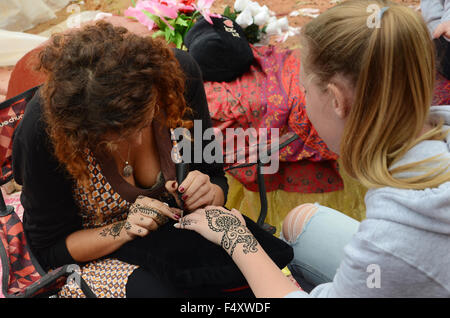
(197, 191)
(222, 227)
(146, 215)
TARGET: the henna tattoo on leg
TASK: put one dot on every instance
(234, 232)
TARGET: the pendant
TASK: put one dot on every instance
(127, 170)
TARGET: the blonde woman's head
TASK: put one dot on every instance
(368, 73)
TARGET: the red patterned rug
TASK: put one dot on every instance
(441, 91)
(269, 96)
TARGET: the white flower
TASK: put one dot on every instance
(283, 23)
(273, 28)
(266, 9)
(269, 12)
(277, 27)
(240, 5)
(245, 19)
(261, 18)
(272, 19)
(255, 8)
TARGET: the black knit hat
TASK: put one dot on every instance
(221, 49)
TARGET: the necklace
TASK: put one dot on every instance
(127, 169)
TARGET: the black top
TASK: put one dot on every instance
(50, 210)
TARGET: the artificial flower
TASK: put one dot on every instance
(182, 5)
(204, 6)
(254, 7)
(259, 22)
(160, 10)
(240, 5)
(141, 17)
(245, 18)
(187, 2)
(261, 18)
(283, 23)
(273, 28)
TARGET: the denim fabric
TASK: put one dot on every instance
(319, 248)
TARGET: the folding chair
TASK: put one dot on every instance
(284, 141)
(22, 276)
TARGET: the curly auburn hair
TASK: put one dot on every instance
(103, 79)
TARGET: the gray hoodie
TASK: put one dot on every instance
(435, 12)
(402, 248)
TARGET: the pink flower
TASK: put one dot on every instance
(159, 9)
(156, 8)
(204, 6)
(182, 5)
(141, 17)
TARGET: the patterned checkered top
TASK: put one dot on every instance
(106, 277)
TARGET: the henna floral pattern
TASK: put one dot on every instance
(234, 232)
(113, 230)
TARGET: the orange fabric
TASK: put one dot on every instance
(24, 76)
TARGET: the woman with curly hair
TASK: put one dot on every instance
(93, 153)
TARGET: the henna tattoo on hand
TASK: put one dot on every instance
(113, 230)
(234, 232)
(184, 222)
(151, 212)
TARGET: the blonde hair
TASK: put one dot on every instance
(392, 69)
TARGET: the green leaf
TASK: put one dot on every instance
(227, 11)
(229, 14)
(154, 18)
(178, 40)
(182, 22)
(134, 3)
(158, 33)
(169, 33)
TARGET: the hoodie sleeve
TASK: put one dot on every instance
(446, 15)
(435, 12)
(370, 272)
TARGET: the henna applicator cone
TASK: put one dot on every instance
(181, 168)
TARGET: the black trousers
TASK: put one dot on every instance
(443, 56)
(144, 284)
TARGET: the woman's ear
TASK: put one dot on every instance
(340, 103)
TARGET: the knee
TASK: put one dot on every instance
(296, 220)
